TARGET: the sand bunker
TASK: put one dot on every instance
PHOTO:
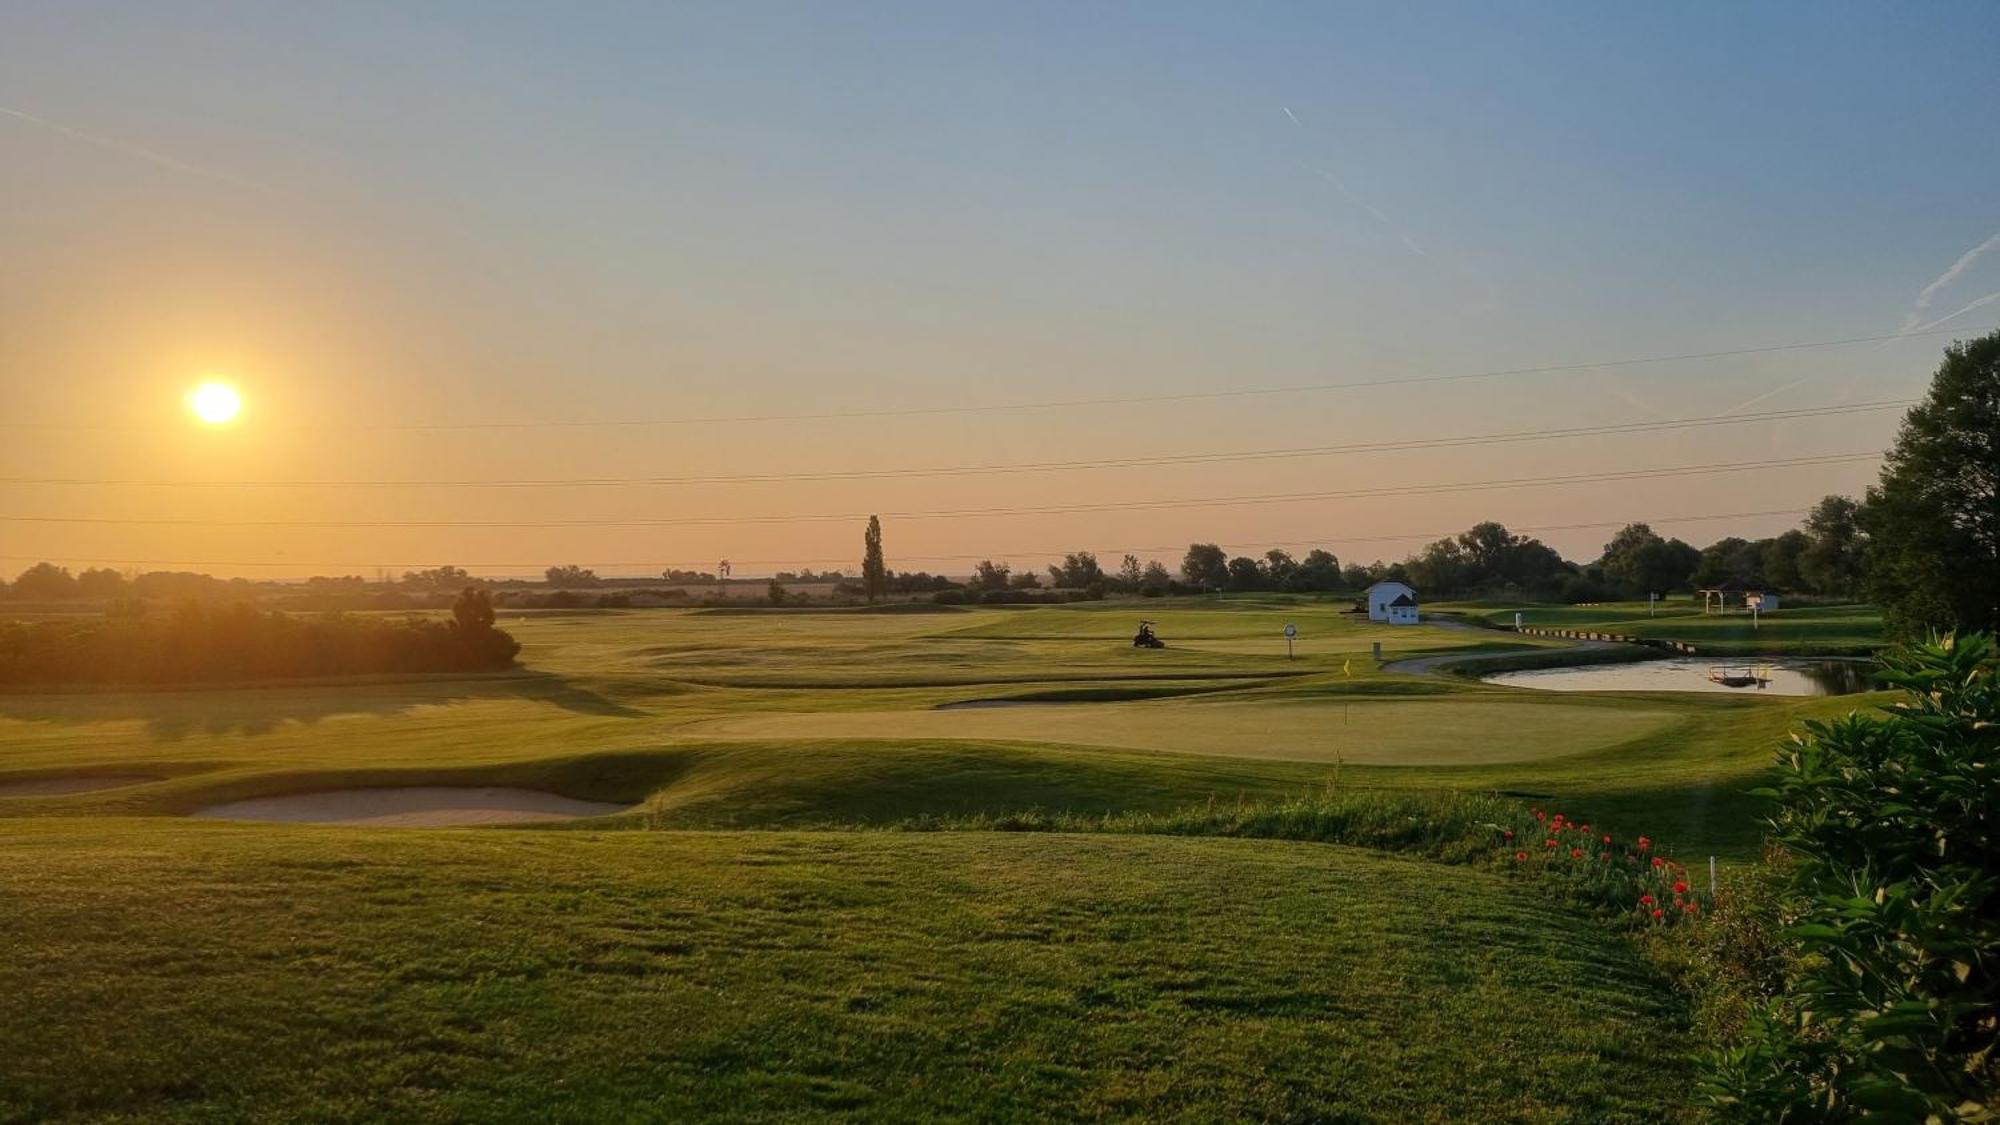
(63, 786)
(427, 806)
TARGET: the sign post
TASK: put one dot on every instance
(1291, 631)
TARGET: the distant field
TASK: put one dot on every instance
(173, 968)
(1833, 630)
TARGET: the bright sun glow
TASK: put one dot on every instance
(215, 403)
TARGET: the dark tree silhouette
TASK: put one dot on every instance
(1934, 519)
(1205, 566)
(874, 575)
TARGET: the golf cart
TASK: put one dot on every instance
(1146, 638)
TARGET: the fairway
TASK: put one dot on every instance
(679, 966)
(1428, 733)
(484, 974)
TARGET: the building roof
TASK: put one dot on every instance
(1392, 582)
(1403, 599)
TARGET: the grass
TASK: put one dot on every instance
(578, 976)
(665, 963)
(1793, 630)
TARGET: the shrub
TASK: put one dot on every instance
(1894, 1012)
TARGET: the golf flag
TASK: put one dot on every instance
(1347, 667)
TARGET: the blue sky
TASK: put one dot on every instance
(470, 213)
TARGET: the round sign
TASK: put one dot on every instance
(1291, 630)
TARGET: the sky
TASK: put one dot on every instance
(440, 247)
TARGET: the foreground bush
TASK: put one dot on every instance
(1893, 1011)
(202, 642)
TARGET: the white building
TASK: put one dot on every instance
(1392, 602)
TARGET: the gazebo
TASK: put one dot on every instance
(1715, 599)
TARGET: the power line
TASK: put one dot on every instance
(1154, 461)
(1062, 404)
(1663, 521)
(965, 513)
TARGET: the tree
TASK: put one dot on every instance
(1621, 557)
(437, 578)
(100, 583)
(473, 611)
(45, 582)
(1129, 574)
(1155, 578)
(1733, 559)
(989, 575)
(1934, 519)
(1205, 566)
(874, 575)
(1442, 568)
(1245, 574)
(1320, 571)
(1835, 560)
(1078, 571)
(570, 576)
(1781, 559)
(1278, 568)
(776, 592)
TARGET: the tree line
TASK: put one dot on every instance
(212, 642)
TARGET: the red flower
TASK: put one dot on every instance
(1680, 888)
(1576, 853)
(1656, 914)
(1607, 839)
(1508, 835)
(1540, 815)
(1690, 908)
(1645, 900)
(1657, 863)
(1644, 843)
(1520, 857)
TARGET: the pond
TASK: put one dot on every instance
(1751, 676)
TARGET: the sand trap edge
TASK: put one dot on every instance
(412, 806)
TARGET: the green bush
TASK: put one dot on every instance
(1893, 1011)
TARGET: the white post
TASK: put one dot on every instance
(1650, 599)
(1517, 620)
(1711, 876)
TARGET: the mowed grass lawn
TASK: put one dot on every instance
(1792, 630)
(172, 971)
(665, 963)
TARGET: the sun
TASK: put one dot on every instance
(215, 403)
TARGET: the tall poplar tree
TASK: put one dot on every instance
(874, 576)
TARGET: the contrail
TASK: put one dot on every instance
(1957, 270)
(139, 151)
(1978, 304)
(1354, 197)
(1750, 402)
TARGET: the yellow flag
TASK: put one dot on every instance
(1347, 667)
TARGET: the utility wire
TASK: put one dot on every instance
(1059, 404)
(1154, 461)
(964, 513)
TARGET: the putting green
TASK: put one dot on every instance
(1427, 733)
